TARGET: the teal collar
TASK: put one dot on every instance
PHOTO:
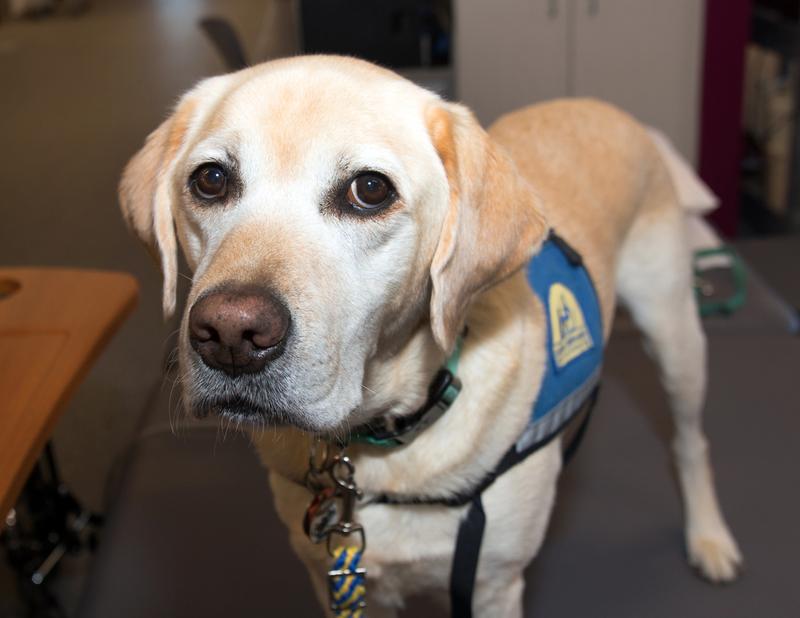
(399, 431)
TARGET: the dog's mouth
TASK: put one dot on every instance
(242, 412)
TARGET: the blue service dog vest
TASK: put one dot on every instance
(574, 339)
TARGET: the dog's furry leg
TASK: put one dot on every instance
(380, 611)
(655, 282)
(499, 597)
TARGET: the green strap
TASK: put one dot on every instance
(725, 306)
(373, 441)
(447, 398)
(451, 364)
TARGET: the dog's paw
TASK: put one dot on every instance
(715, 556)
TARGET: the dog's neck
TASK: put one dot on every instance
(507, 338)
(398, 385)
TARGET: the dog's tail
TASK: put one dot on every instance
(693, 194)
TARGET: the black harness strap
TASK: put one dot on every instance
(470, 530)
(465, 559)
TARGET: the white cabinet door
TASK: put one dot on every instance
(509, 53)
(646, 57)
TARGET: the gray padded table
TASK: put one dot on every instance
(192, 532)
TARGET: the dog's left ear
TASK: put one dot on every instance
(146, 200)
(494, 222)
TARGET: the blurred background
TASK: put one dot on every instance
(82, 82)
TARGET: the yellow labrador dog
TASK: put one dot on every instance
(343, 225)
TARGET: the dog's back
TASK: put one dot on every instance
(606, 187)
(596, 170)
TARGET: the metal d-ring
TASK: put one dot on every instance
(346, 530)
(346, 482)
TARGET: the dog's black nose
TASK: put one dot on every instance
(238, 330)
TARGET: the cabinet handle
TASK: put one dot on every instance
(552, 9)
(593, 7)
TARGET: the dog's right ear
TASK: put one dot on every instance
(145, 195)
(494, 221)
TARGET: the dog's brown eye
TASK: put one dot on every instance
(369, 191)
(209, 181)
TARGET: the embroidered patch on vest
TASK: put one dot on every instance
(569, 334)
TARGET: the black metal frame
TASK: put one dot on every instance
(47, 523)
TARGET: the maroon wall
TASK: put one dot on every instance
(726, 35)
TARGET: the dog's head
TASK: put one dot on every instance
(329, 209)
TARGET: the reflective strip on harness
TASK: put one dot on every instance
(558, 416)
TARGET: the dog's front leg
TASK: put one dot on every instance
(380, 611)
(498, 596)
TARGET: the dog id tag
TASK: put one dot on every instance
(322, 514)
